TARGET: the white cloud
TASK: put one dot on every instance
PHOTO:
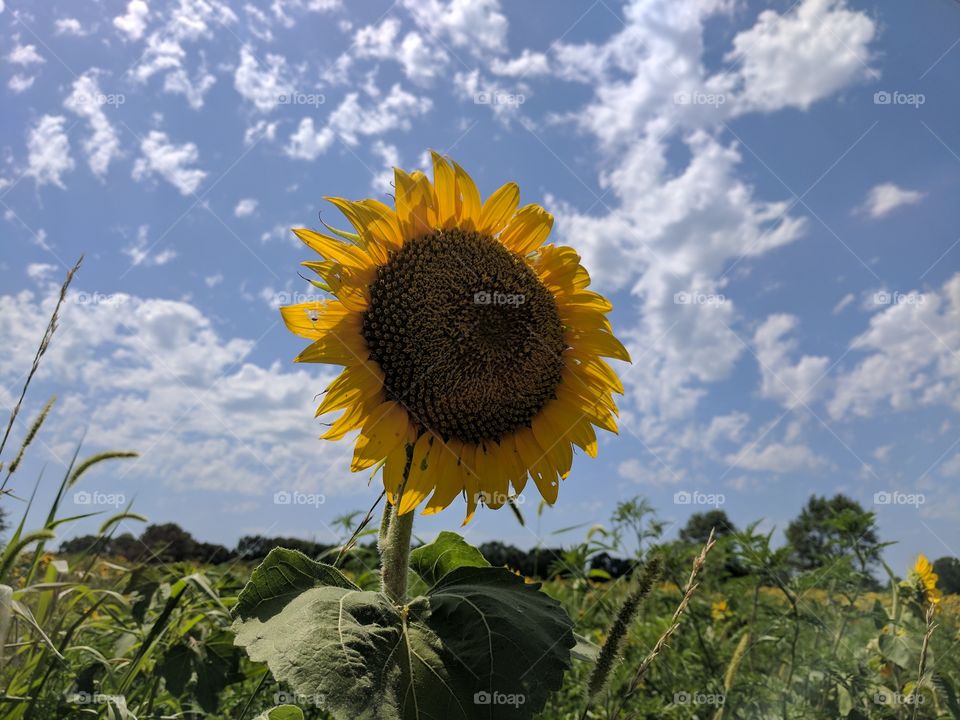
(263, 84)
(660, 228)
(792, 384)
(245, 207)
(69, 26)
(884, 198)
(478, 25)
(796, 59)
(211, 281)
(41, 272)
(527, 64)
(142, 251)
(180, 23)
(353, 119)
(25, 55)
(49, 151)
(420, 60)
(133, 24)
(910, 360)
(389, 158)
(19, 83)
(87, 101)
(307, 143)
(178, 82)
(377, 41)
(260, 130)
(169, 161)
(775, 458)
(843, 303)
(155, 375)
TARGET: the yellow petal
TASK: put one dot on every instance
(382, 223)
(341, 345)
(528, 230)
(469, 198)
(449, 478)
(414, 199)
(359, 217)
(396, 464)
(498, 209)
(313, 320)
(444, 192)
(357, 382)
(601, 343)
(385, 428)
(353, 417)
(422, 478)
(333, 249)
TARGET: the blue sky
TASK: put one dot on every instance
(766, 190)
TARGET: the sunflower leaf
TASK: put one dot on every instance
(282, 576)
(480, 644)
(448, 552)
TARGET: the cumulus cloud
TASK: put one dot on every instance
(809, 53)
(19, 83)
(245, 207)
(790, 383)
(48, 150)
(102, 144)
(170, 161)
(478, 25)
(166, 48)
(25, 55)
(134, 22)
(884, 198)
(143, 251)
(69, 26)
(526, 64)
(262, 83)
(353, 119)
(156, 375)
(909, 360)
(775, 458)
(420, 59)
(389, 158)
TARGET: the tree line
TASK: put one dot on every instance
(826, 530)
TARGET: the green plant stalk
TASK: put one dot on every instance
(395, 554)
(610, 651)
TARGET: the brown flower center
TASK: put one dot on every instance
(468, 338)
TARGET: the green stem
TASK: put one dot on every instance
(395, 553)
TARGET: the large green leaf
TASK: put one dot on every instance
(481, 644)
(448, 552)
(282, 576)
(282, 712)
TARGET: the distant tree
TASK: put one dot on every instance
(698, 527)
(948, 569)
(127, 546)
(168, 542)
(615, 567)
(829, 529)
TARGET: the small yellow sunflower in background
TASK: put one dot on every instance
(928, 578)
(473, 352)
(720, 610)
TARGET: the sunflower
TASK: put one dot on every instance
(472, 351)
(928, 579)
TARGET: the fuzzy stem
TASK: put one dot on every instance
(395, 554)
